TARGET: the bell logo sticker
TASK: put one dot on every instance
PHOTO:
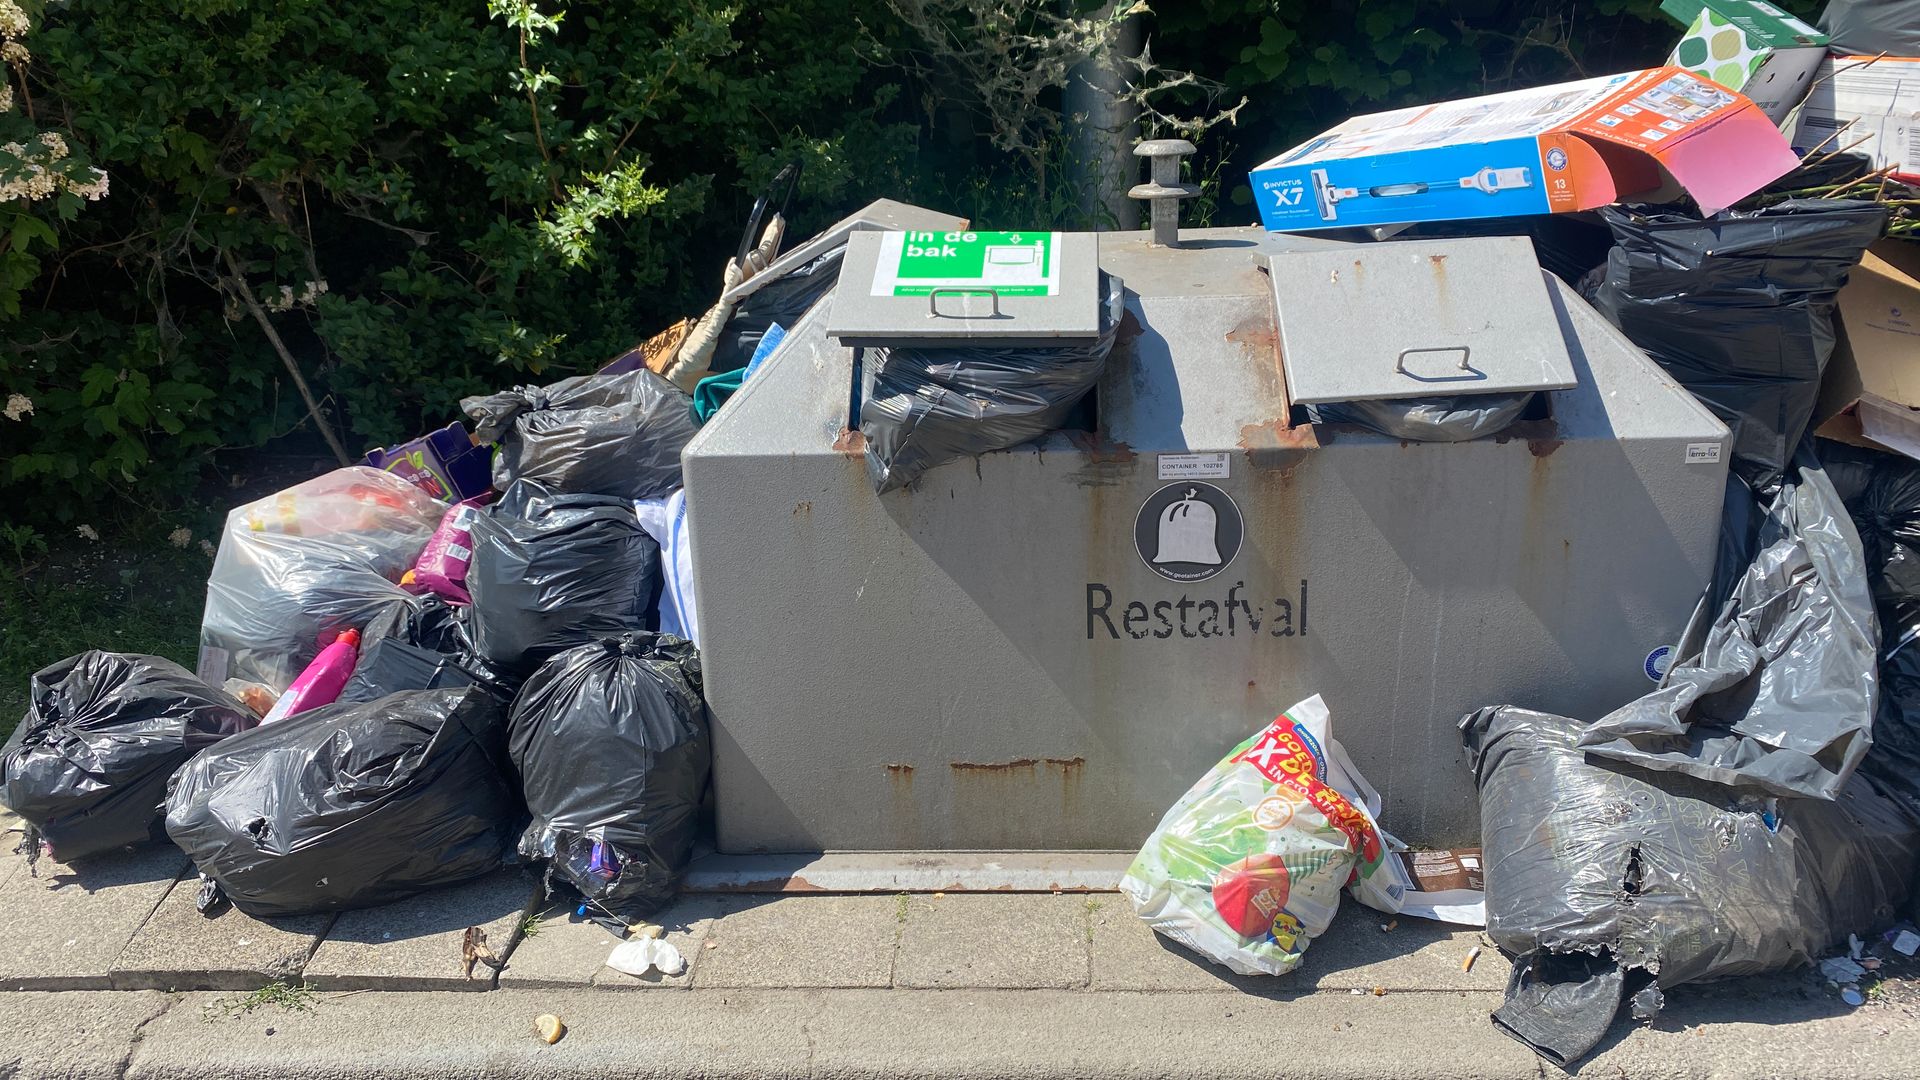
(1188, 531)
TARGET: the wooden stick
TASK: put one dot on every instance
(286, 357)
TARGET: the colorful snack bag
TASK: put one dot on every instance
(442, 568)
(1246, 869)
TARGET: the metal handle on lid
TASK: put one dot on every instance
(1466, 356)
(933, 297)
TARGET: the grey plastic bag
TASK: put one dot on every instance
(1609, 882)
(1738, 308)
(1780, 696)
(923, 407)
(616, 435)
(1436, 419)
(1872, 27)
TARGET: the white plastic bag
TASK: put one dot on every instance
(1247, 868)
(297, 567)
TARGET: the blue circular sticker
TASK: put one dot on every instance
(1657, 663)
(1556, 159)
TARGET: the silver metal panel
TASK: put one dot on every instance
(952, 667)
(1418, 318)
(863, 314)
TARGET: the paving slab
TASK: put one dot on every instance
(1354, 953)
(568, 952)
(416, 944)
(1020, 941)
(181, 949)
(74, 1035)
(803, 941)
(968, 1034)
(68, 922)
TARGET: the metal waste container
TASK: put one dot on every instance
(1042, 648)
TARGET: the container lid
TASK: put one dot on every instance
(1417, 318)
(931, 288)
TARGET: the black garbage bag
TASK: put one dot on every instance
(551, 571)
(1882, 494)
(784, 301)
(421, 643)
(87, 768)
(610, 740)
(617, 435)
(921, 407)
(1609, 882)
(1435, 419)
(351, 806)
(1738, 308)
(1872, 27)
(1780, 696)
(1893, 764)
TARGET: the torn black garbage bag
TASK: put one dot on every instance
(1780, 698)
(610, 740)
(922, 407)
(351, 806)
(1738, 308)
(421, 643)
(551, 571)
(618, 435)
(1603, 878)
(87, 768)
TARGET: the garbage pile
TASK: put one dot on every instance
(397, 664)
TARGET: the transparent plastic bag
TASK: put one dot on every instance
(1247, 868)
(296, 568)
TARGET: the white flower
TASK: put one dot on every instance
(55, 145)
(13, 21)
(18, 406)
(93, 189)
(85, 532)
(206, 548)
(6, 97)
(180, 537)
(14, 53)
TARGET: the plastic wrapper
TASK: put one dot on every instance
(1609, 882)
(614, 435)
(1247, 868)
(922, 407)
(442, 566)
(351, 805)
(1738, 308)
(1437, 419)
(87, 767)
(1780, 696)
(297, 568)
(552, 571)
(611, 744)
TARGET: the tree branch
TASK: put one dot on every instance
(239, 283)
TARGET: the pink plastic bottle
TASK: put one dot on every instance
(442, 567)
(323, 680)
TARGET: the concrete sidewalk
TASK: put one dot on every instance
(108, 970)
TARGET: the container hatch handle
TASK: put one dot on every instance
(1466, 363)
(933, 297)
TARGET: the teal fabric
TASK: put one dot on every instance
(713, 391)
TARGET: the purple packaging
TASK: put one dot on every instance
(442, 568)
(444, 464)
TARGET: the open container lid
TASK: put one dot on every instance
(932, 288)
(1417, 318)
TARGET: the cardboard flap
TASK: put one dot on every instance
(1731, 160)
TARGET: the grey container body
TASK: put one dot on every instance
(953, 666)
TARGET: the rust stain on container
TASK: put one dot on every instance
(900, 773)
(1101, 450)
(1000, 767)
(1542, 436)
(851, 442)
(803, 509)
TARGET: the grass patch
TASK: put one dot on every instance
(287, 997)
(530, 924)
(131, 591)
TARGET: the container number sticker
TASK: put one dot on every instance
(1008, 263)
(1192, 466)
(1703, 453)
